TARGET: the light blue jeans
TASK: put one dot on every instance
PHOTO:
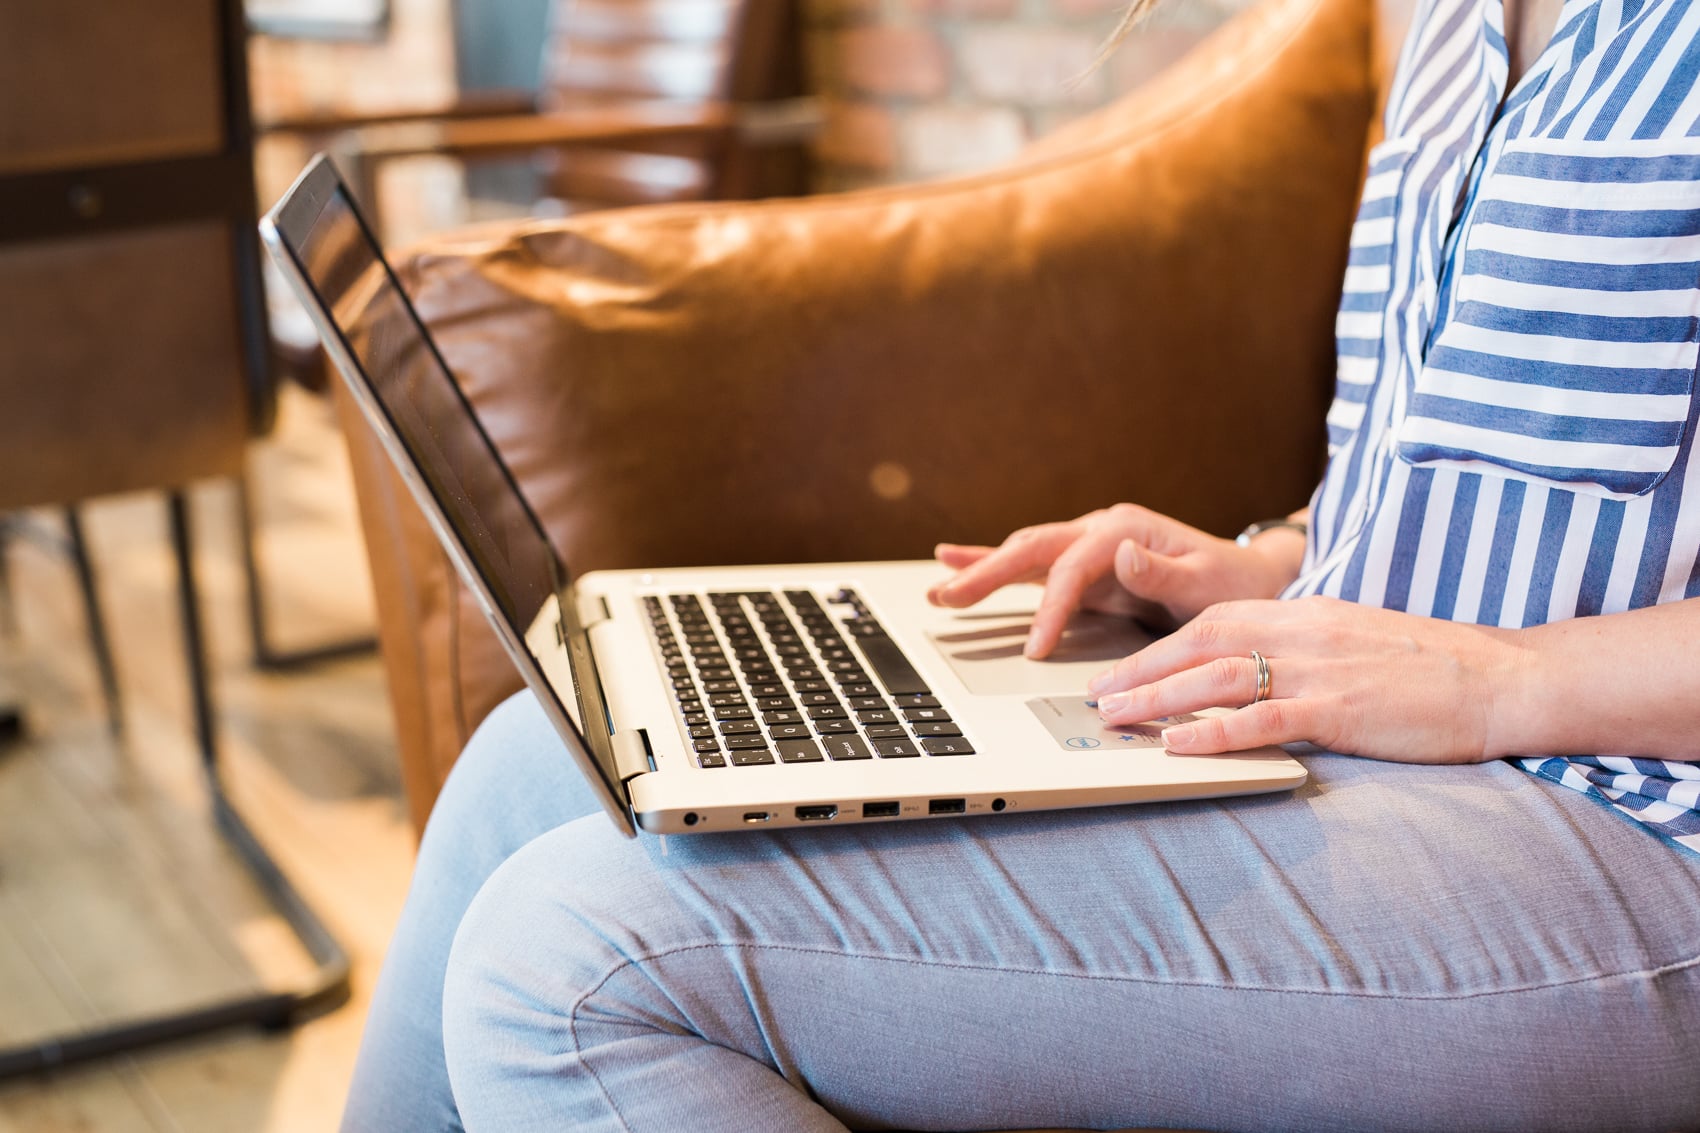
(1390, 947)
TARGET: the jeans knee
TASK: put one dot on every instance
(512, 782)
(522, 961)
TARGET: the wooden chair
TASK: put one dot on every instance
(136, 346)
(641, 101)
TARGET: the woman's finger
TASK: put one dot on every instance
(1225, 682)
(1270, 722)
(1082, 564)
(1228, 630)
(959, 555)
(1024, 557)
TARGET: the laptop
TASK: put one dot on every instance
(735, 698)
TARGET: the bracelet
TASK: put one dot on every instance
(1245, 537)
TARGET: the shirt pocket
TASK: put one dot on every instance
(1359, 327)
(1569, 354)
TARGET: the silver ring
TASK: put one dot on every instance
(1262, 677)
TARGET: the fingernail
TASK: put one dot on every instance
(1115, 702)
(1179, 737)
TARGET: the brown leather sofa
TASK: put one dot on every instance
(1140, 308)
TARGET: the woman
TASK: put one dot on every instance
(1501, 560)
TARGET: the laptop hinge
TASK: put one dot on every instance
(631, 754)
(592, 609)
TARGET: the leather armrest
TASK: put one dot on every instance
(1141, 308)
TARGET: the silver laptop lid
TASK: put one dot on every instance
(383, 351)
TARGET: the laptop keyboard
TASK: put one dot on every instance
(763, 678)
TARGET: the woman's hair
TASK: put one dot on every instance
(1132, 16)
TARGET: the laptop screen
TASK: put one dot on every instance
(429, 413)
(335, 254)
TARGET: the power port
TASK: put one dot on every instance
(946, 806)
(880, 810)
(817, 813)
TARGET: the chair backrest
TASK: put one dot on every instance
(130, 293)
(603, 53)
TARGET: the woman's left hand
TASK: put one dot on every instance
(1354, 679)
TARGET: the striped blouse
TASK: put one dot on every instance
(1512, 433)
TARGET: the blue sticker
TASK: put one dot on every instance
(1084, 743)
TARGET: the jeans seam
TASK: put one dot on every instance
(578, 1047)
(1652, 973)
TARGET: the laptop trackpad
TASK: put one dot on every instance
(984, 649)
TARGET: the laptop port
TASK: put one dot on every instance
(880, 810)
(946, 806)
(817, 813)
(754, 816)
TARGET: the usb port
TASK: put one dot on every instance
(880, 810)
(946, 806)
(817, 813)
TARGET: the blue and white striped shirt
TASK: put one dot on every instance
(1512, 436)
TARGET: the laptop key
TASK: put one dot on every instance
(896, 749)
(858, 689)
(894, 670)
(740, 728)
(799, 751)
(722, 685)
(916, 700)
(772, 718)
(769, 689)
(847, 747)
(692, 719)
(790, 731)
(833, 727)
(711, 759)
(745, 743)
(703, 745)
(701, 731)
(826, 712)
(885, 732)
(877, 716)
(939, 728)
(752, 758)
(811, 684)
(867, 703)
(948, 747)
(727, 700)
(925, 715)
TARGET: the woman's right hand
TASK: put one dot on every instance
(1124, 559)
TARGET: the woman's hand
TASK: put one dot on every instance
(1354, 679)
(1124, 560)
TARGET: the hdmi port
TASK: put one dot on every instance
(817, 813)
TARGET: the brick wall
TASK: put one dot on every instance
(919, 88)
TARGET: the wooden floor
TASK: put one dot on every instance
(115, 895)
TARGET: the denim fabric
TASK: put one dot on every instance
(1390, 947)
